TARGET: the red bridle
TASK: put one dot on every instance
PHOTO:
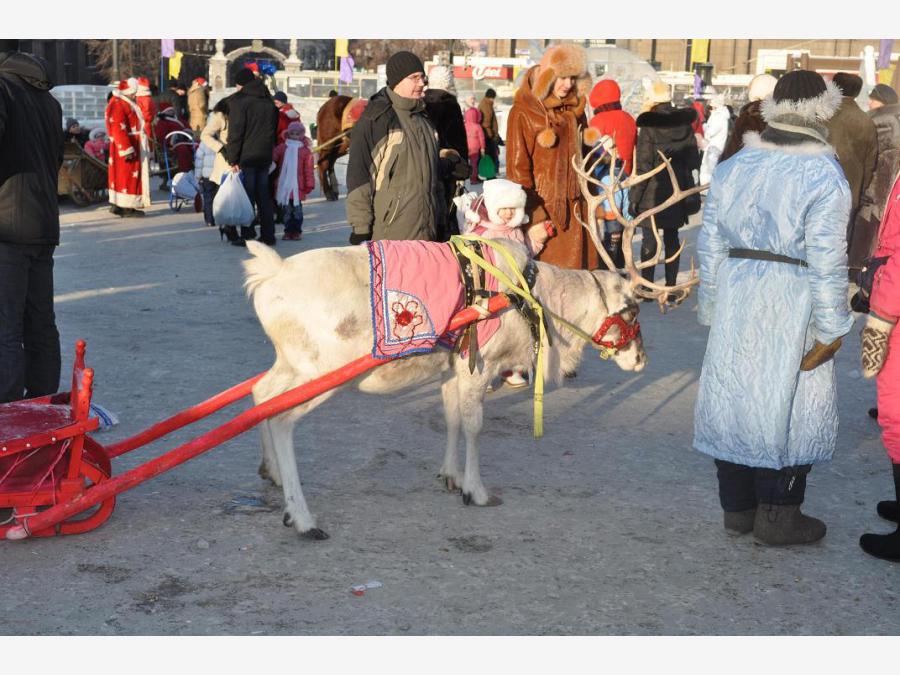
(627, 332)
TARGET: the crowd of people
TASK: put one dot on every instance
(801, 211)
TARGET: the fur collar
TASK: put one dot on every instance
(667, 118)
(818, 109)
(753, 140)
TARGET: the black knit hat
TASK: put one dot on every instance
(401, 65)
(849, 84)
(883, 93)
(799, 85)
(244, 77)
(280, 96)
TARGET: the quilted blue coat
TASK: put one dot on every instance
(754, 406)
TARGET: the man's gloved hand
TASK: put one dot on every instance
(819, 354)
(359, 238)
(875, 336)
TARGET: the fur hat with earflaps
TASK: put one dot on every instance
(499, 193)
(563, 60)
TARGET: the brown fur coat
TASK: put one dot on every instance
(541, 138)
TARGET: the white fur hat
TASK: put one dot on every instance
(761, 86)
(500, 193)
(441, 77)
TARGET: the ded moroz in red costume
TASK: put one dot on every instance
(128, 149)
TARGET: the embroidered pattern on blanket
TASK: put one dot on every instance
(416, 290)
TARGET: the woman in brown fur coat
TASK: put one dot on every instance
(541, 138)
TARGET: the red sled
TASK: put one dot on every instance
(56, 479)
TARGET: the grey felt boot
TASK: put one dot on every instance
(784, 525)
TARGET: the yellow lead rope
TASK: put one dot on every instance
(520, 289)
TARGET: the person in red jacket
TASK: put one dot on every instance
(881, 358)
(286, 112)
(295, 178)
(610, 120)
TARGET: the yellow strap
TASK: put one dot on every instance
(521, 289)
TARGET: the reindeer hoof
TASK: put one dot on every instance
(450, 484)
(287, 521)
(492, 500)
(315, 534)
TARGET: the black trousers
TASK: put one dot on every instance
(256, 183)
(648, 250)
(29, 341)
(743, 487)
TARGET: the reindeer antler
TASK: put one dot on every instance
(641, 287)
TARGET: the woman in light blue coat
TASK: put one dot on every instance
(773, 274)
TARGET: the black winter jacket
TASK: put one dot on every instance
(252, 126)
(31, 149)
(669, 130)
(446, 116)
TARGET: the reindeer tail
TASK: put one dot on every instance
(264, 265)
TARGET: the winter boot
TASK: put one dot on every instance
(739, 522)
(885, 546)
(779, 521)
(248, 233)
(784, 525)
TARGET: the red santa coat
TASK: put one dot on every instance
(148, 110)
(128, 154)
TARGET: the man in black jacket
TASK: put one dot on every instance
(252, 127)
(31, 144)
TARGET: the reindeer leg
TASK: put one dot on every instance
(450, 469)
(268, 467)
(296, 512)
(471, 407)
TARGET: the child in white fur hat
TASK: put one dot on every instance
(500, 214)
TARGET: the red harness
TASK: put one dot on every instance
(627, 332)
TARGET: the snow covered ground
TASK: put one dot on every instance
(610, 523)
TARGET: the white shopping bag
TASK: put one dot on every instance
(232, 206)
(185, 185)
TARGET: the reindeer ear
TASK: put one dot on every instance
(546, 138)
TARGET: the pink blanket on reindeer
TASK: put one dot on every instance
(416, 289)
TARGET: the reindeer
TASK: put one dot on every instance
(315, 308)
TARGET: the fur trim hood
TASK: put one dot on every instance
(811, 110)
(753, 140)
(667, 118)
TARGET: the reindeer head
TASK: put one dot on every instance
(640, 287)
(618, 335)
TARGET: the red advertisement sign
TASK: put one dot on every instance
(482, 72)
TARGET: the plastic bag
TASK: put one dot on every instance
(185, 185)
(232, 206)
(486, 168)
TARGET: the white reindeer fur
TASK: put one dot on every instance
(315, 309)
